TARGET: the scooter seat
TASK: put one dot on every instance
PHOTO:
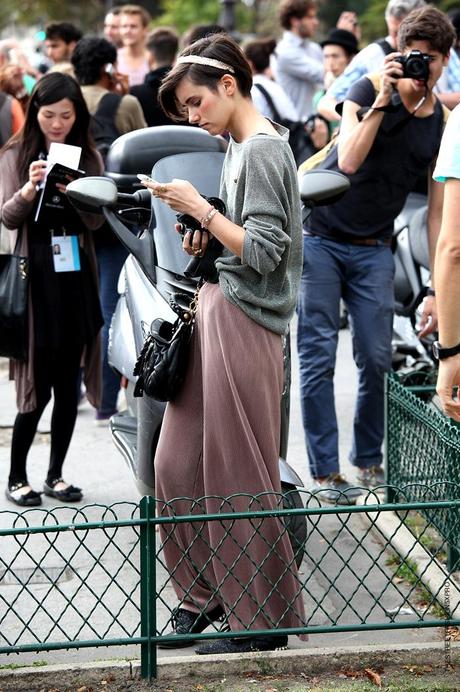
(138, 151)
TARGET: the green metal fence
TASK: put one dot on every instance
(95, 576)
(423, 455)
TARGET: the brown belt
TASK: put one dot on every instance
(373, 242)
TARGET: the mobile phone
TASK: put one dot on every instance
(145, 178)
(109, 68)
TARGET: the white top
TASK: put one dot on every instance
(283, 103)
(448, 162)
(299, 70)
(136, 75)
(369, 59)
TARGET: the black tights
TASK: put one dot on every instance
(59, 373)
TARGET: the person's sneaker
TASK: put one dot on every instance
(186, 622)
(244, 645)
(102, 419)
(336, 489)
(371, 477)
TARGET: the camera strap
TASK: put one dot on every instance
(393, 107)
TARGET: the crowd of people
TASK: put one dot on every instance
(387, 127)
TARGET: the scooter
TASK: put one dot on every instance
(154, 273)
(412, 356)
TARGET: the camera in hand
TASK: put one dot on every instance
(203, 266)
(416, 65)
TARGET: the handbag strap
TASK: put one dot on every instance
(186, 314)
(269, 100)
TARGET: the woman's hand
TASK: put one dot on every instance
(181, 196)
(37, 172)
(194, 244)
(120, 83)
(349, 21)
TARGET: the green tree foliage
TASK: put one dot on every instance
(331, 10)
(85, 14)
(182, 15)
(373, 20)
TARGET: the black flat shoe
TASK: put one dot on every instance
(244, 645)
(69, 494)
(186, 622)
(30, 499)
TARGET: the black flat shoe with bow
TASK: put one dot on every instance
(25, 499)
(68, 494)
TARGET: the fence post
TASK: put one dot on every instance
(148, 588)
(389, 492)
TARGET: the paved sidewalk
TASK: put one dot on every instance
(94, 463)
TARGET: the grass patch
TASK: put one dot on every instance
(425, 533)
(406, 570)
(15, 666)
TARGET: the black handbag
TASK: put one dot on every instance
(162, 363)
(14, 291)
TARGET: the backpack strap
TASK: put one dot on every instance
(445, 113)
(269, 100)
(384, 45)
(375, 79)
(108, 105)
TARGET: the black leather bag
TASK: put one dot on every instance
(14, 288)
(163, 360)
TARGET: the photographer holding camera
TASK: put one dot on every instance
(388, 136)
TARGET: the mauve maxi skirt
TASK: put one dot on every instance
(220, 437)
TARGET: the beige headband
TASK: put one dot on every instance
(200, 60)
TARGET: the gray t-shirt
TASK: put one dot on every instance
(259, 186)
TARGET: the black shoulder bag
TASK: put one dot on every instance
(14, 291)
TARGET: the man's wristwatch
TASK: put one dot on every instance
(440, 352)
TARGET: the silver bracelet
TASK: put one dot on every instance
(208, 217)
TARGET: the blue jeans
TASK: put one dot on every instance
(363, 277)
(110, 259)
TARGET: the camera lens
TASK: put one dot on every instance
(416, 67)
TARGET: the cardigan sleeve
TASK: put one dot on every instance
(264, 215)
(14, 209)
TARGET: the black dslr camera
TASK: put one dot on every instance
(203, 266)
(416, 65)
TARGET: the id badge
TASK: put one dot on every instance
(66, 253)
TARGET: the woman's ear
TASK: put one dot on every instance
(229, 84)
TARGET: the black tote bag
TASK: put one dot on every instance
(14, 285)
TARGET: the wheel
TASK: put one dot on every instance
(296, 525)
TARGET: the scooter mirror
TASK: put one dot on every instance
(92, 193)
(319, 187)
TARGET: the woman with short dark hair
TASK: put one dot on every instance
(220, 436)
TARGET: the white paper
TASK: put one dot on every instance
(66, 154)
